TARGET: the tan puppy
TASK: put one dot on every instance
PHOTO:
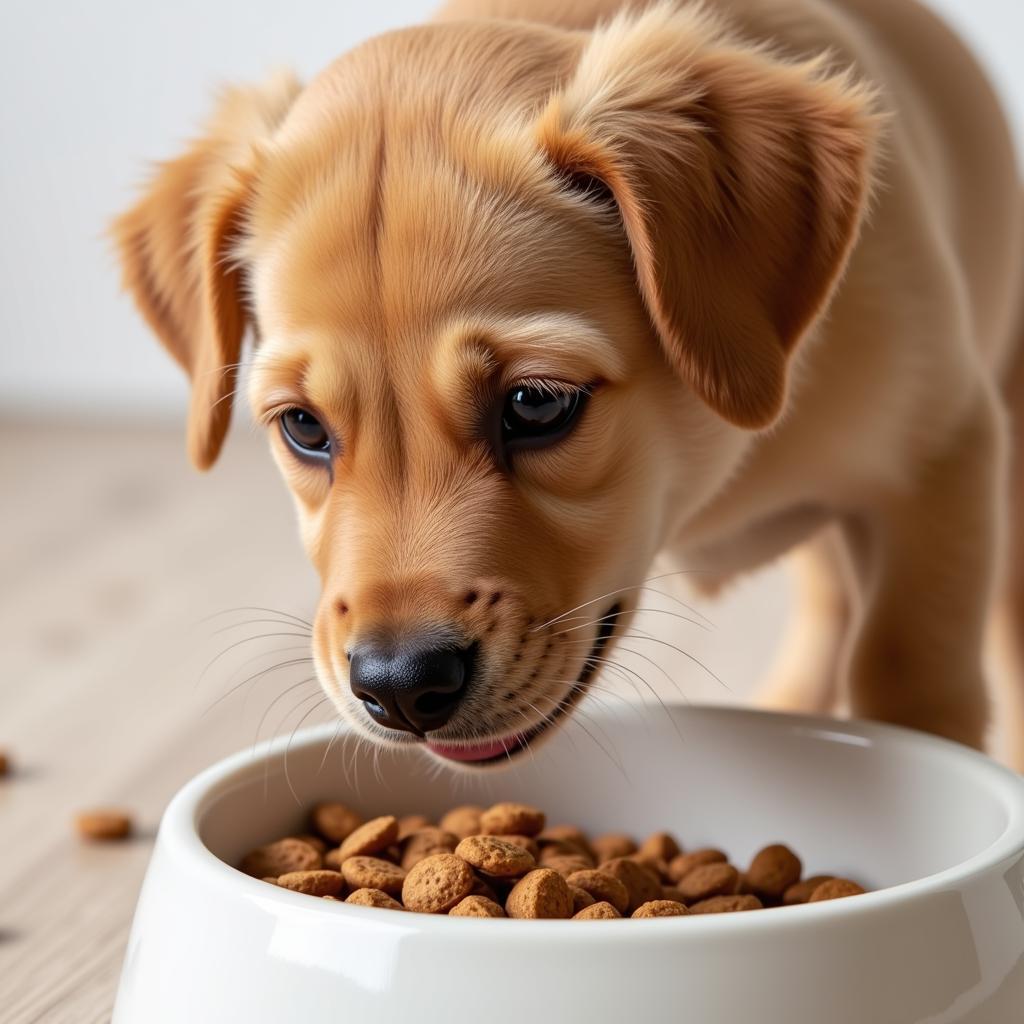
(542, 289)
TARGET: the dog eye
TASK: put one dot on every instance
(305, 434)
(538, 414)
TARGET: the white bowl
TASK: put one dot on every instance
(936, 829)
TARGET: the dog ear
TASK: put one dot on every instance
(741, 180)
(177, 250)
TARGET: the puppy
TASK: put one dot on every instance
(542, 290)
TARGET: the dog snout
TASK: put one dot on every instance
(414, 685)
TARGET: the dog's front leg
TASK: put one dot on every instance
(925, 560)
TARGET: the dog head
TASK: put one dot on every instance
(521, 297)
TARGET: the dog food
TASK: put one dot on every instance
(505, 861)
(107, 826)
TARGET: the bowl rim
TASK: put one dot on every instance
(179, 835)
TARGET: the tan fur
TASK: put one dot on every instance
(782, 242)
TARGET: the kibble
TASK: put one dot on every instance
(108, 826)
(501, 861)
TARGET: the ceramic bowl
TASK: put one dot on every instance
(935, 830)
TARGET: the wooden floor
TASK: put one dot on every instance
(112, 552)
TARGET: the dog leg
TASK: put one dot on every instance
(806, 674)
(925, 561)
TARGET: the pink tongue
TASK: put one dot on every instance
(480, 752)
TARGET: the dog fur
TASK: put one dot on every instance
(780, 242)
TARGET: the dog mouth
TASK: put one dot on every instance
(506, 747)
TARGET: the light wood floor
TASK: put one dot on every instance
(111, 551)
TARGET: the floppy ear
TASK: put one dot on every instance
(741, 180)
(176, 247)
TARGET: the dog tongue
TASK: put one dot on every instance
(478, 752)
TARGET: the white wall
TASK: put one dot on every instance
(92, 90)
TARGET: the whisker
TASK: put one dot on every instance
(256, 608)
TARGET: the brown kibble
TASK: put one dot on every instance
(671, 892)
(410, 823)
(315, 841)
(581, 899)
(108, 826)
(373, 898)
(708, 880)
(659, 846)
(726, 904)
(425, 842)
(437, 883)
(332, 899)
(463, 821)
(269, 879)
(481, 888)
(800, 892)
(597, 912)
(570, 836)
(612, 846)
(476, 906)
(602, 886)
(660, 908)
(373, 873)
(528, 843)
(370, 838)
(773, 870)
(334, 821)
(835, 889)
(281, 858)
(507, 817)
(640, 881)
(5, 764)
(684, 863)
(542, 893)
(495, 856)
(314, 883)
(566, 864)
(657, 866)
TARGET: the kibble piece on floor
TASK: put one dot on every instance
(800, 892)
(612, 845)
(373, 873)
(542, 893)
(597, 912)
(374, 836)
(373, 898)
(476, 906)
(506, 817)
(602, 886)
(660, 908)
(707, 881)
(639, 880)
(835, 889)
(462, 821)
(437, 883)
(494, 856)
(315, 883)
(726, 904)
(334, 821)
(280, 858)
(773, 870)
(108, 825)
(679, 867)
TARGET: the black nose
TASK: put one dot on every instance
(410, 686)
